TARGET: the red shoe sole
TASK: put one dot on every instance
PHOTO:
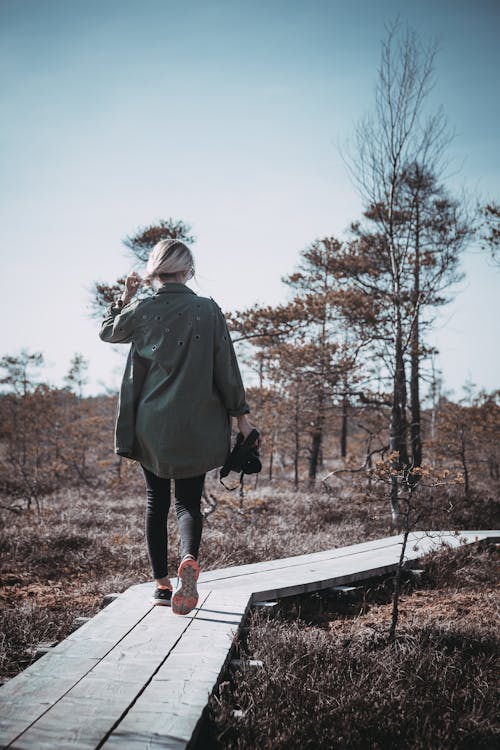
(185, 598)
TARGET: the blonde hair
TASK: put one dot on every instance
(169, 260)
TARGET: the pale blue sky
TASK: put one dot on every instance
(226, 114)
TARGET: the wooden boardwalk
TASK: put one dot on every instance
(136, 676)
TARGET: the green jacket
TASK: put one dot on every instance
(181, 382)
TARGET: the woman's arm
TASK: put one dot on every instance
(228, 377)
(117, 326)
(227, 374)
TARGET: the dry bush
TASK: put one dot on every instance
(481, 510)
(279, 522)
(320, 691)
(462, 568)
(23, 627)
(333, 680)
(447, 508)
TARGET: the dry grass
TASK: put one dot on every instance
(332, 680)
(85, 543)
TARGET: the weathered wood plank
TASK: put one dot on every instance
(89, 709)
(169, 709)
(30, 694)
(330, 554)
(286, 562)
(317, 575)
(151, 740)
(216, 576)
(220, 574)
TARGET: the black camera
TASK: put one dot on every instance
(244, 457)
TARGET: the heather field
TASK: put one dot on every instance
(330, 679)
(59, 563)
(330, 676)
(83, 543)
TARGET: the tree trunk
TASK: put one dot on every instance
(399, 426)
(316, 441)
(271, 458)
(415, 426)
(320, 456)
(415, 433)
(368, 460)
(296, 425)
(463, 457)
(343, 428)
(317, 436)
(397, 589)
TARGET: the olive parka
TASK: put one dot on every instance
(181, 382)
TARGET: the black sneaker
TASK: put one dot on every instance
(162, 597)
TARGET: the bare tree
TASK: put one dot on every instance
(490, 235)
(396, 164)
(76, 378)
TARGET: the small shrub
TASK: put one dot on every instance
(23, 627)
(461, 567)
(318, 691)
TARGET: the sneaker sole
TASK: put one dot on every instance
(185, 598)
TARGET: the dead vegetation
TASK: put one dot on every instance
(58, 563)
(331, 679)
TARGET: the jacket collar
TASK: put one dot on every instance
(174, 288)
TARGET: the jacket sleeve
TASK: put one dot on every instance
(118, 324)
(226, 370)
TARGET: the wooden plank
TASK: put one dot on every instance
(315, 576)
(89, 710)
(153, 739)
(242, 571)
(239, 571)
(167, 713)
(330, 554)
(304, 578)
(287, 562)
(30, 694)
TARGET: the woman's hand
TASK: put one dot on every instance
(246, 427)
(132, 283)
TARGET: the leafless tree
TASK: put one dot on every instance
(490, 237)
(396, 163)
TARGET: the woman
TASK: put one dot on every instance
(180, 388)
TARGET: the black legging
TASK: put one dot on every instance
(189, 517)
